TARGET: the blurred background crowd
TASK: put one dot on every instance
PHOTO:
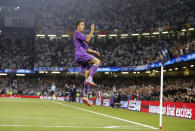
(129, 16)
(176, 89)
(18, 50)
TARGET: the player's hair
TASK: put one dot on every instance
(78, 22)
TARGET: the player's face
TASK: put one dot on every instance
(81, 26)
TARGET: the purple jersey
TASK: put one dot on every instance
(81, 56)
(79, 44)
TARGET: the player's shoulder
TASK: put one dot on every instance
(77, 33)
(80, 34)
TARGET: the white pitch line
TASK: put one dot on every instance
(47, 126)
(151, 127)
(16, 125)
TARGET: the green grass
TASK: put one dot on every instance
(37, 115)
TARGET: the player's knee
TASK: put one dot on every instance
(98, 62)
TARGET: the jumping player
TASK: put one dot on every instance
(83, 59)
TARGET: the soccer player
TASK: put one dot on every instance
(53, 87)
(82, 56)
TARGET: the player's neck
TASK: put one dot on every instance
(79, 31)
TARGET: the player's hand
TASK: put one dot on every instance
(92, 28)
(97, 53)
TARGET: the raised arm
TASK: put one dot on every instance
(90, 34)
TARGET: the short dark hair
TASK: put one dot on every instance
(78, 22)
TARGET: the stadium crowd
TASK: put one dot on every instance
(16, 49)
(54, 53)
(20, 50)
(117, 53)
(129, 16)
(180, 89)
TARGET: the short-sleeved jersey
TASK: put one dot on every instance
(80, 44)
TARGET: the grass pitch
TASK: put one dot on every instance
(17, 114)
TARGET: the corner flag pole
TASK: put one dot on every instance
(161, 95)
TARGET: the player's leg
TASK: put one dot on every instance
(84, 61)
(86, 86)
(96, 62)
(85, 71)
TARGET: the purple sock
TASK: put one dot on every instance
(86, 89)
(93, 70)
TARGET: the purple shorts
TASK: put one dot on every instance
(83, 60)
